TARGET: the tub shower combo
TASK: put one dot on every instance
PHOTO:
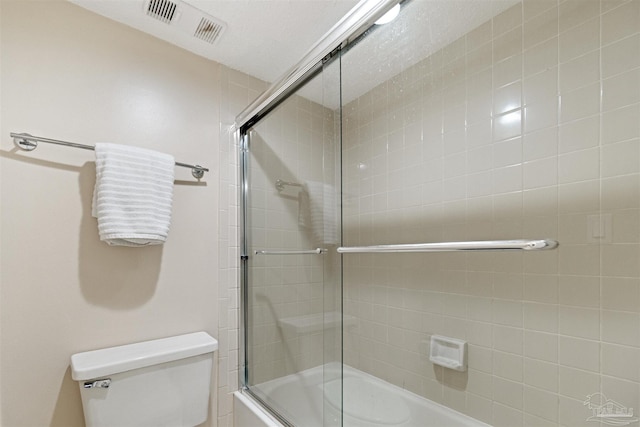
(439, 219)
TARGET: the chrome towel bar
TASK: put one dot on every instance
(29, 143)
(280, 184)
(484, 245)
(317, 251)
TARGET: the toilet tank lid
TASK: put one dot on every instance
(113, 360)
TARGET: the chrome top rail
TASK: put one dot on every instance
(358, 19)
(485, 245)
(28, 142)
(316, 251)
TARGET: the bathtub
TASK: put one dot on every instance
(369, 402)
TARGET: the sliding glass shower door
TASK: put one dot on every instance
(291, 270)
(462, 126)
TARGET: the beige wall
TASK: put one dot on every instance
(72, 75)
(527, 127)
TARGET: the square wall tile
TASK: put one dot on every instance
(506, 416)
(507, 45)
(507, 20)
(507, 153)
(579, 135)
(621, 192)
(541, 57)
(579, 322)
(533, 8)
(621, 260)
(508, 366)
(541, 115)
(541, 317)
(583, 102)
(540, 144)
(621, 361)
(622, 158)
(618, 57)
(508, 70)
(579, 259)
(621, 124)
(575, 12)
(540, 374)
(508, 393)
(579, 40)
(579, 353)
(621, 294)
(580, 71)
(541, 403)
(573, 412)
(621, 90)
(541, 87)
(620, 22)
(582, 291)
(621, 328)
(507, 125)
(627, 393)
(508, 339)
(577, 383)
(541, 288)
(540, 28)
(583, 165)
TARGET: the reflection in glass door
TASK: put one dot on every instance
(291, 269)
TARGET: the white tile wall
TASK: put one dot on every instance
(525, 127)
(237, 90)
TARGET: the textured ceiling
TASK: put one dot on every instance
(422, 28)
(263, 38)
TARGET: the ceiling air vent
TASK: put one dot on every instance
(184, 18)
(208, 30)
(162, 10)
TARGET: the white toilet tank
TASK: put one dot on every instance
(159, 383)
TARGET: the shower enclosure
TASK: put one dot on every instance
(461, 182)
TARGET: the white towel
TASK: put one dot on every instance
(133, 195)
(323, 212)
(304, 211)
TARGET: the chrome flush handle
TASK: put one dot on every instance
(103, 383)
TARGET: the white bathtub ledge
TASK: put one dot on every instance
(248, 413)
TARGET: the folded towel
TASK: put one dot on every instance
(304, 211)
(323, 212)
(133, 195)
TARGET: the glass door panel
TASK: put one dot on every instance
(293, 330)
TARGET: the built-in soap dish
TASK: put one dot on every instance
(448, 352)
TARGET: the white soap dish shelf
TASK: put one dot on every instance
(448, 352)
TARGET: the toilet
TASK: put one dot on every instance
(159, 383)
